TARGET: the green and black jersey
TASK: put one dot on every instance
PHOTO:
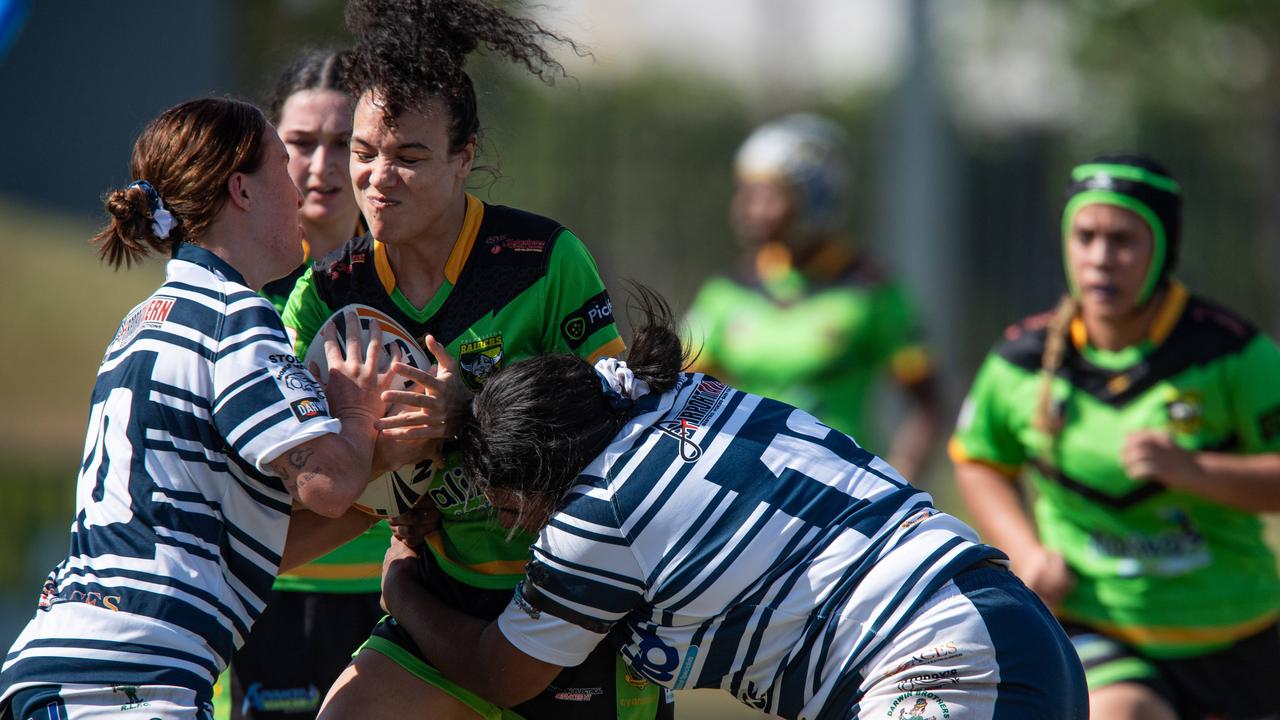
(516, 285)
(815, 336)
(1169, 572)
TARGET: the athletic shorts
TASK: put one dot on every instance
(296, 649)
(110, 702)
(983, 646)
(601, 687)
(1229, 684)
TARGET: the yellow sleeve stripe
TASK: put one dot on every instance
(493, 567)
(613, 348)
(960, 456)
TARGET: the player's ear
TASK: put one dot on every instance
(238, 191)
(468, 156)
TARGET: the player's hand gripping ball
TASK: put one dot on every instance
(396, 492)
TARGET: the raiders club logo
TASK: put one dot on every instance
(479, 359)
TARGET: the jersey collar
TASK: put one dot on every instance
(457, 256)
(197, 255)
(1175, 301)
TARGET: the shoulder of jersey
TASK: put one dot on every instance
(864, 270)
(511, 236)
(1212, 329)
(1022, 343)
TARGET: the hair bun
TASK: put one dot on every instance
(127, 204)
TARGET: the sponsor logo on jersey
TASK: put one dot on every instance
(290, 373)
(1172, 552)
(498, 243)
(132, 700)
(946, 650)
(49, 596)
(583, 694)
(480, 358)
(638, 683)
(1185, 411)
(595, 313)
(701, 405)
(919, 708)
(280, 700)
(150, 314)
(453, 494)
(930, 679)
(306, 408)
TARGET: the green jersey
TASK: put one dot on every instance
(816, 337)
(516, 285)
(1171, 573)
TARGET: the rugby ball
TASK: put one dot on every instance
(394, 493)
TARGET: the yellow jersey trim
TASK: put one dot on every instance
(1159, 635)
(345, 571)
(493, 567)
(457, 256)
(1167, 317)
(959, 455)
(613, 348)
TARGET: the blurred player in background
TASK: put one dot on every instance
(809, 319)
(1148, 420)
(312, 108)
(320, 613)
(725, 540)
(492, 284)
(202, 433)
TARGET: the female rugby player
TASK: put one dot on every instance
(1148, 420)
(203, 430)
(724, 540)
(492, 284)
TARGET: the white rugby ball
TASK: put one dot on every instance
(394, 493)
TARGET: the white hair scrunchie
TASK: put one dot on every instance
(619, 378)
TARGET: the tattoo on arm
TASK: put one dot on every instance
(292, 468)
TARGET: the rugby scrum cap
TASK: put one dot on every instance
(1140, 185)
(809, 155)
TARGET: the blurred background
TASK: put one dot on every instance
(964, 117)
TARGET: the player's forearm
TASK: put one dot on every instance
(918, 430)
(1247, 482)
(912, 441)
(442, 634)
(328, 473)
(311, 535)
(995, 505)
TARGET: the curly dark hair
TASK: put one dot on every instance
(409, 51)
(538, 423)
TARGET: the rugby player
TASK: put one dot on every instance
(203, 431)
(1148, 420)
(492, 284)
(725, 540)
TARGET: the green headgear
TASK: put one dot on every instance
(1137, 184)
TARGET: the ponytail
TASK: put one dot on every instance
(537, 424)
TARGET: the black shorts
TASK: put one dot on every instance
(1229, 684)
(296, 650)
(601, 687)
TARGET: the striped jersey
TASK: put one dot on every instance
(179, 524)
(727, 540)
